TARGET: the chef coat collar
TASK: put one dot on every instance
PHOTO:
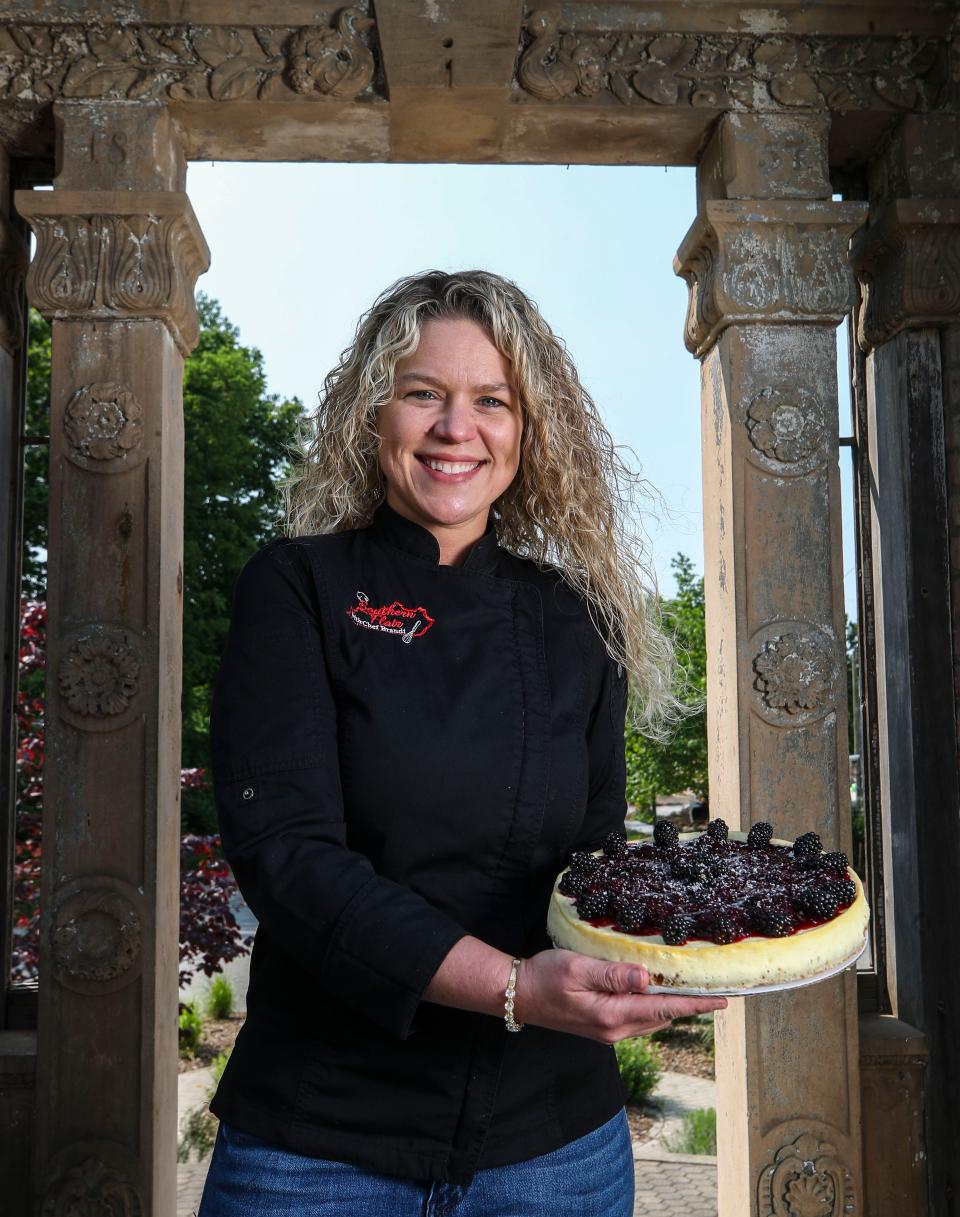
(396, 530)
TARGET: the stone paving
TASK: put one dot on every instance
(667, 1185)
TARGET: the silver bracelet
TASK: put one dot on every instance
(510, 993)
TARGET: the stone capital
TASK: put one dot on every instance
(908, 263)
(116, 255)
(766, 262)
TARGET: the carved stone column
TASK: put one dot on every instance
(908, 260)
(118, 253)
(766, 263)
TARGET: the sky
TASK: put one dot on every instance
(299, 251)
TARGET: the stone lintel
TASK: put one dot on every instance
(908, 262)
(766, 261)
(116, 255)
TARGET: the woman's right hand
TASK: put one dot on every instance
(603, 1001)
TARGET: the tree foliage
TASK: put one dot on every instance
(237, 441)
(679, 763)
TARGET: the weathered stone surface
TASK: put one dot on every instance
(114, 271)
(769, 281)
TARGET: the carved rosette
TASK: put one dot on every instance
(908, 261)
(99, 677)
(806, 1179)
(786, 428)
(92, 1187)
(766, 262)
(795, 673)
(92, 264)
(104, 426)
(95, 934)
(336, 57)
(737, 71)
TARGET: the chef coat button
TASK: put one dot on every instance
(248, 792)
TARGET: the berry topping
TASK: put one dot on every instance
(845, 890)
(573, 882)
(592, 904)
(710, 887)
(676, 929)
(614, 844)
(583, 862)
(631, 913)
(722, 928)
(771, 921)
(819, 903)
(665, 835)
(808, 845)
(759, 835)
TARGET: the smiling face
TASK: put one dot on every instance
(450, 436)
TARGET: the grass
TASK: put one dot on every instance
(698, 1134)
(199, 1128)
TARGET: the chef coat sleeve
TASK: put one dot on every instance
(372, 942)
(606, 792)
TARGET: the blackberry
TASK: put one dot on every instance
(614, 844)
(631, 913)
(845, 890)
(689, 869)
(676, 929)
(819, 902)
(722, 929)
(759, 834)
(771, 922)
(582, 862)
(573, 883)
(807, 845)
(717, 830)
(835, 863)
(665, 835)
(592, 904)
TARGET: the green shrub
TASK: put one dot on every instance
(640, 1067)
(698, 1134)
(218, 1064)
(190, 1023)
(220, 998)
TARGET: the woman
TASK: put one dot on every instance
(418, 715)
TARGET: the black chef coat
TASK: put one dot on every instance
(405, 753)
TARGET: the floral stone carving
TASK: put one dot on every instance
(92, 1189)
(139, 62)
(785, 427)
(728, 71)
(140, 262)
(795, 673)
(103, 422)
(95, 934)
(99, 672)
(806, 1179)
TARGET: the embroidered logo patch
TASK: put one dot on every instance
(393, 618)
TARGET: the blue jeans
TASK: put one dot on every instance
(590, 1177)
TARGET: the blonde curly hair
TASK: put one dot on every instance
(571, 505)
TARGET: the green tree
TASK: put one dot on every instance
(237, 442)
(679, 763)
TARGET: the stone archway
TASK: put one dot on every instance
(775, 106)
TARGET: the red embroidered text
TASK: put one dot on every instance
(393, 618)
